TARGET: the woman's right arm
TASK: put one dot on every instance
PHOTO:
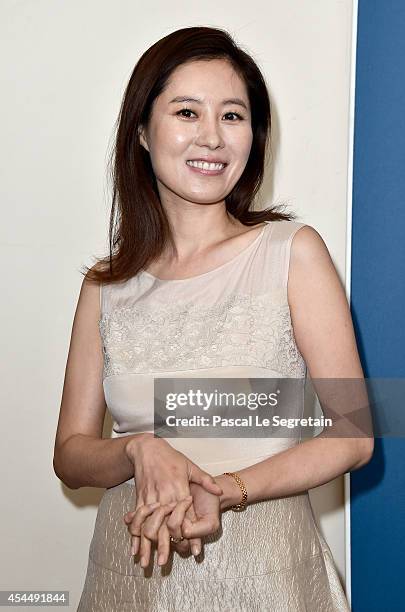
(81, 456)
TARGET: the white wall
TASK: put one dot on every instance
(64, 69)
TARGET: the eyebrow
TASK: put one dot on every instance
(198, 101)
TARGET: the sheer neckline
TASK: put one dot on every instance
(227, 263)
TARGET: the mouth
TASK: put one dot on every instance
(203, 167)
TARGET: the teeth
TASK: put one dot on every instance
(205, 165)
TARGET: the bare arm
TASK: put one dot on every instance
(324, 334)
(81, 456)
(84, 461)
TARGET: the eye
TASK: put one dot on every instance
(188, 110)
(236, 115)
(184, 110)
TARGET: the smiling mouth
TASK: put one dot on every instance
(206, 167)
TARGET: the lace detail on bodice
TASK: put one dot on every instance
(242, 330)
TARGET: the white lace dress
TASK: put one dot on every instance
(231, 322)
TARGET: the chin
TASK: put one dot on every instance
(204, 198)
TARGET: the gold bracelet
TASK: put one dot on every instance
(242, 503)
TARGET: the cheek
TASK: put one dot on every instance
(241, 145)
(170, 138)
(164, 153)
(169, 146)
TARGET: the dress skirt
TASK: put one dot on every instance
(270, 557)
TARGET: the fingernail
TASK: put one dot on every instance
(143, 562)
(160, 559)
(195, 550)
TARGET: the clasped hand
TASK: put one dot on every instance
(174, 497)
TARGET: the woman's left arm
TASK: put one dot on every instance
(324, 334)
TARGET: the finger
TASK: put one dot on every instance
(129, 516)
(145, 548)
(195, 543)
(174, 523)
(152, 524)
(182, 547)
(200, 528)
(205, 480)
(146, 544)
(177, 516)
(135, 541)
(140, 516)
(163, 544)
(133, 529)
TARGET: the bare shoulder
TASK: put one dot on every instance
(97, 267)
(90, 292)
(310, 263)
(307, 245)
(320, 312)
(88, 311)
(311, 270)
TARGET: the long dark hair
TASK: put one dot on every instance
(139, 228)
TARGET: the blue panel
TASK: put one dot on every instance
(378, 296)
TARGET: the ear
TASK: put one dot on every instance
(142, 138)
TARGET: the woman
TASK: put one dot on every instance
(196, 285)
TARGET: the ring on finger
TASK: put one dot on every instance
(176, 540)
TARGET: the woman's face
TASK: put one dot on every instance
(212, 124)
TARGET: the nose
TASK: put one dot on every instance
(209, 133)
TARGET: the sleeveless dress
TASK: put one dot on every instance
(233, 321)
